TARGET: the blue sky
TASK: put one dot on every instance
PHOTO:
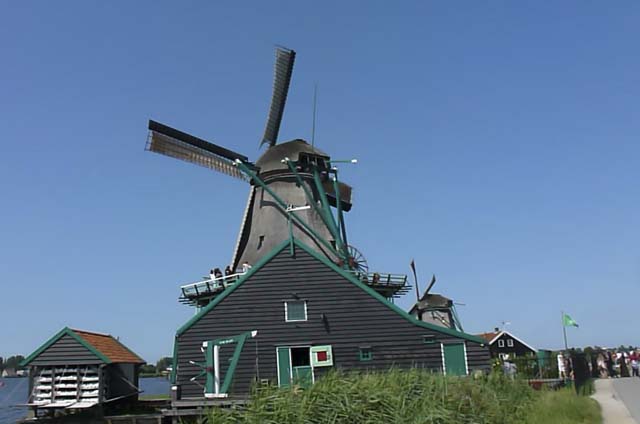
(497, 145)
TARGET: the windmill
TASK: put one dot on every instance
(293, 185)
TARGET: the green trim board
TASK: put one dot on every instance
(66, 331)
(174, 366)
(267, 258)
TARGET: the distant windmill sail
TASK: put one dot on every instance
(415, 280)
(433, 281)
(281, 80)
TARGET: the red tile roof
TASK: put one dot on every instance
(109, 347)
(488, 336)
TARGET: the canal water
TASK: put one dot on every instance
(14, 391)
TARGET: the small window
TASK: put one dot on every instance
(510, 342)
(500, 343)
(260, 241)
(428, 339)
(366, 353)
(295, 310)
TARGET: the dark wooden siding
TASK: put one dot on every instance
(339, 314)
(66, 351)
(519, 349)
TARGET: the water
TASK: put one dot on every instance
(14, 391)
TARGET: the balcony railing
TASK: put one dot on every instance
(207, 288)
(388, 285)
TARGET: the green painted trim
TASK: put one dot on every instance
(58, 336)
(209, 384)
(232, 288)
(365, 355)
(228, 377)
(384, 301)
(325, 215)
(341, 226)
(331, 222)
(174, 366)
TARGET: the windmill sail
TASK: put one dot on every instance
(171, 142)
(281, 80)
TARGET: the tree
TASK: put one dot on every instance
(147, 369)
(13, 362)
(164, 363)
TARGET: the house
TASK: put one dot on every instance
(9, 372)
(78, 369)
(503, 344)
(294, 316)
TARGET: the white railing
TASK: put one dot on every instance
(210, 285)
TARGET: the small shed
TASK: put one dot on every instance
(77, 369)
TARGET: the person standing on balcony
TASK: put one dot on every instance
(217, 273)
(245, 266)
(227, 271)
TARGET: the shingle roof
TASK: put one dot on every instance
(109, 347)
(488, 336)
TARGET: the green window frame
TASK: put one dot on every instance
(295, 310)
(365, 353)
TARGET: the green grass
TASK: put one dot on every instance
(155, 397)
(411, 397)
(563, 407)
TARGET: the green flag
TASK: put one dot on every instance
(568, 321)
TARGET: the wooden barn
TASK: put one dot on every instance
(77, 369)
(296, 300)
(307, 316)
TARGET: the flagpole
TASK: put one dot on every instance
(564, 331)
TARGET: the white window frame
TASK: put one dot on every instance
(510, 343)
(286, 314)
(500, 343)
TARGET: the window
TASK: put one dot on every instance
(510, 342)
(295, 310)
(500, 343)
(366, 353)
(428, 339)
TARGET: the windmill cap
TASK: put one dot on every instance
(271, 160)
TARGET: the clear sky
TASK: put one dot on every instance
(497, 145)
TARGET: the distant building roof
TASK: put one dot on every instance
(495, 335)
(104, 346)
(489, 336)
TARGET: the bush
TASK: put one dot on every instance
(410, 397)
(413, 396)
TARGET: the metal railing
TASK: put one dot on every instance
(389, 285)
(209, 286)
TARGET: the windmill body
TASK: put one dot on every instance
(265, 224)
(294, 193)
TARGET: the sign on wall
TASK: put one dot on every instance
(321, 356)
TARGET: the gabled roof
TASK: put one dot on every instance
(489, 336)
(493, 336)
(348, 276)
(108, 349)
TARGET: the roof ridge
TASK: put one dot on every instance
(91, 332)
